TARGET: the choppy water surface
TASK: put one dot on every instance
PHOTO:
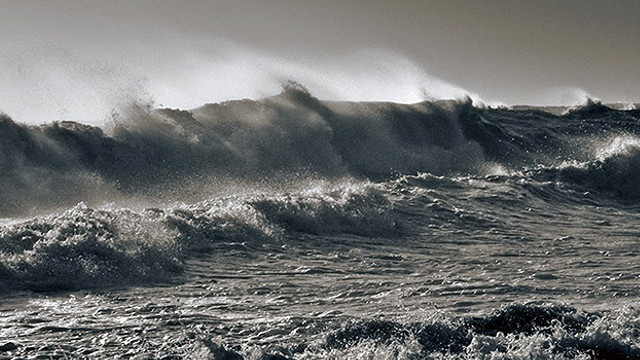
(426, 231)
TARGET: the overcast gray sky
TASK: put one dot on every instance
(514, 52)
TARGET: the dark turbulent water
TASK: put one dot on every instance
(293, 228)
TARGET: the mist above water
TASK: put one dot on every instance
(43, 83)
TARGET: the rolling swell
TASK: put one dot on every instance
(85, 248)
(89, 248)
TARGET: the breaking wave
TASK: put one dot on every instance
(614, 171)
(168, 153)
(330, 168)
(149, 151)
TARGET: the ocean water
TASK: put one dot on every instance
(295, 228)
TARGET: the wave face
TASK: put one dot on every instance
(146, 150)
(295, 228)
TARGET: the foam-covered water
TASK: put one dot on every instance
(294, 228)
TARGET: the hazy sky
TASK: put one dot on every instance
(513, 52)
